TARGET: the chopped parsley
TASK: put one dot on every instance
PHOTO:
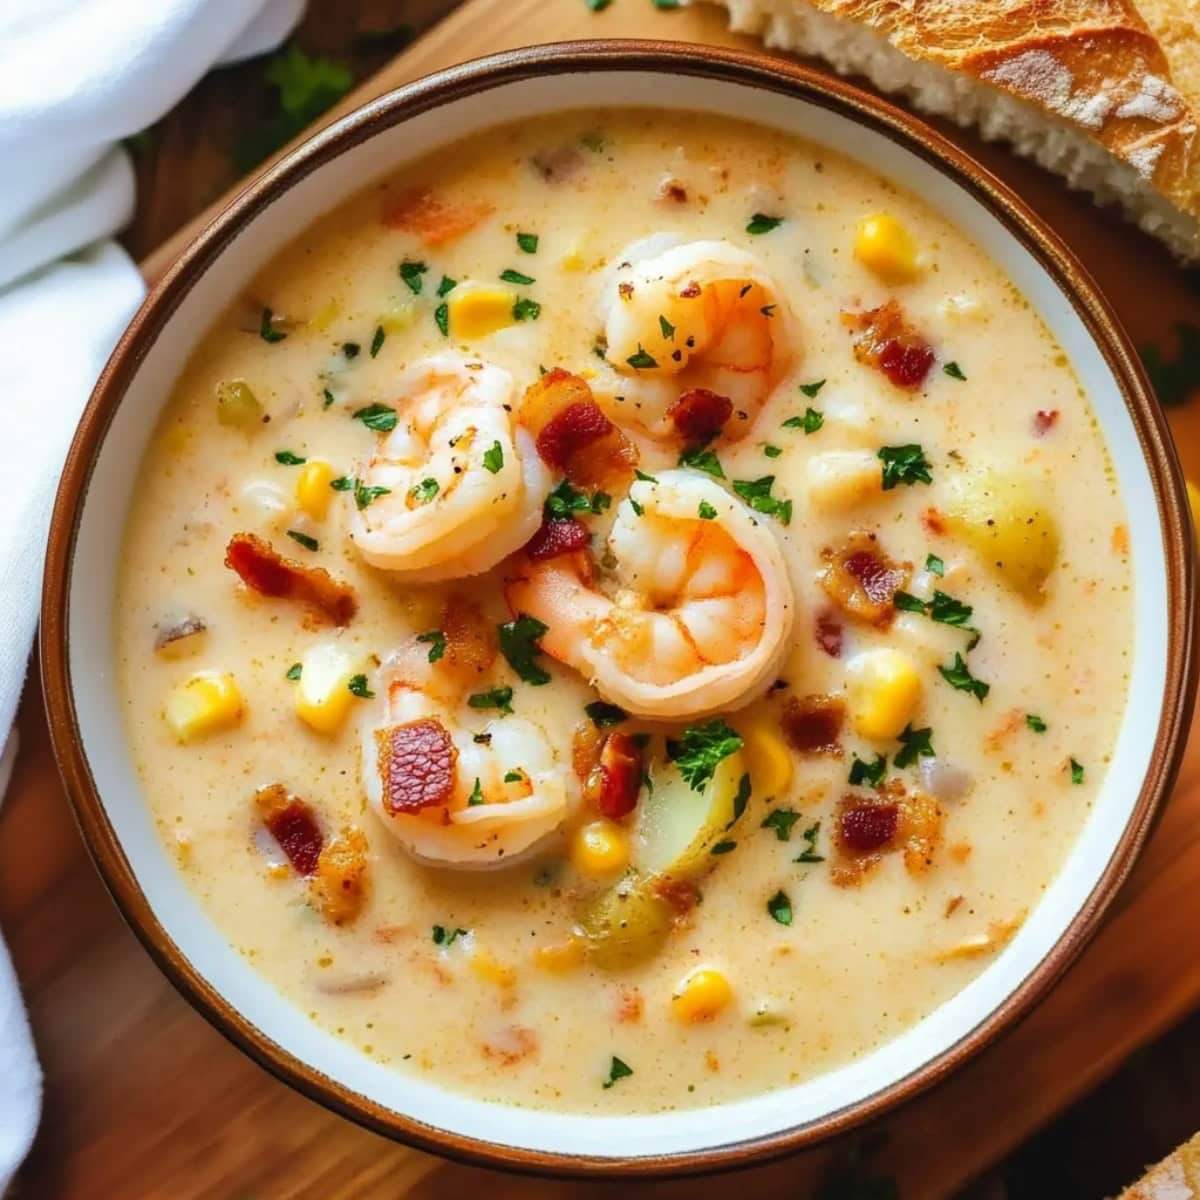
(511, 276)
(267, 331)
(617, 1070)
(1035, 723)
(476, 796)
(701, 748)
(379, 417)
(288, 459)
(703, 460)
(328, 397)
(641, 361)
(513, 777)
(411, 273)
(948, 611)
(870, 773)
(779, 908)
(309, 543)
(493, 457)
(293, 672)
(772, 451)
(497, 697)
(565, 500)
(781, 820)
(358, 687)
(761, 223)
(343, 483)
(441, 318)
(903, 464)
(1076, 771)
(914, 744)
(446, 286)
(519, 645)
(424, 491)
(526, 310)
(811, 389)
(957, 675)
(643, 476)
(934, 565)
(377, 340)
(757, 493)
(809, 853)
(364, 495)
(706, 512)
(723, 848)
(638, 510)
(446, 937)
(668, 330)
(603, 714)
(528, 242)
(954, 371)
(666, 4)
(740, 800)
(810, 422)
(435, 639)
(907, 602)
(597, 5)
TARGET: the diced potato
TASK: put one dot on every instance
(626, 924)
(313, 492)
(399, 317)
(477, 309)
(207, 702)
(766, 756)
(600, 848)
(1006, 519)
(323, 696)
(886, 248)
(237, 406)
(842, 479)
(883, 689)
(702, 995)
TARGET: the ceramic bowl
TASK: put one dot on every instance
(96, 491)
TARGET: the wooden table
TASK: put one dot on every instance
(145, 1100)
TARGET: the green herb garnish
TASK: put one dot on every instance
(526, 310)
(497, 697)
(293, 672)
(914, 744)
(954, 371)
(934, 565)
(379, 417)
(637, 474)
(701, 748)
(364, 495)
(603, 714)
(446, 937)
(706, 512)
(761, 223)
(511, 276)
(411, 273)
(350, 350)
(267, 331)
(811, 389)
(424, 491)
(870, 773)
(668, 330)
(617, 1070)
(723, 848)
(435, 639)
(781, 820)
(1076, 771)
(957, 675)
(1035, 723)
(703, 460)
(309, 543)
(358, 687)
(779, 908)
(288, 459)
(519, 645)
(903, 464)
(493, 457)
(810, 422)
(641, 361)
(809, 853)
(757, 493)
(377, 340)
(527, 242)
(772, 451)
(476, 796)
(441, 318)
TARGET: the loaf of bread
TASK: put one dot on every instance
(1177, 1177)
(1104, 92)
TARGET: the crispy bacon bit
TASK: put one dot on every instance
(510, 1044)
(558, 163)
(573, 429)
(1044, 421)
(862, 581)
(933, 521)
(681, 895)
(434, 220)
(339, 886)
(699, 415)
(416, 764)
(672, 189)
(270, 574)
(829, 635)
(690, 291)
(885, 340)
(614, 784)
(625, 289)
(894, 820)
(865, 826)
(293, 824)
(813, 725)
(630, 1005)
(920, 830)
(470, 637)
(557, 536)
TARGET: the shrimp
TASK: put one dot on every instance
(694, 319)
(462, 485)
(695, 616)
(450, 795)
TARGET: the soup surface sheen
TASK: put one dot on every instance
(957, 618)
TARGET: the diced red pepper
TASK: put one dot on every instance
(267, 572)
(699, 415)
(416, 764)
(557, 535)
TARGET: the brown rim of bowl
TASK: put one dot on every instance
(754, 70)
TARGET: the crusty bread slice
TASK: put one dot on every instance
(1177, 1177)
(1104, 92)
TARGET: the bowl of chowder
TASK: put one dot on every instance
(620, 610)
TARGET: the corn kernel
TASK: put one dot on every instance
(841, 479)
(476, 310)
(1193, 493)
(767, 758)
(313, 492)
(207, 702)
(325, 316)
(572, 261)
(323, 696)
(490, 969)
(885, 247)
(883, 690)
(560, 957)
(600, 848)
(398, 317)
(701, 996)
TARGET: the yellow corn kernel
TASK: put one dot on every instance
(882, 691)
(323, 696)
(313, 492)
(885, 247)
(207, 702)
(767, 758)
(1194, 501)
(490, 969)
(701, 996)
(475, 311)
(560, 957)
(398, 317)
(325, 316)
(600, 848)
(572, 261)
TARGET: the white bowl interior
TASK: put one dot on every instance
(92, 590)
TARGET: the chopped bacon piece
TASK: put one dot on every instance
(670, 188)
(921, 831)
(680, 894)
(339, 884)
(690, 291)
(885, 340)
(614, 785)
(293, 824)
(557, 536)
(813, 725)
(867, 825)
(416, 763)
(434, 220)
(573, 429)
(830, 634)
(862, 581)
(470, 637)
(698, 415)
(1044, 421)
(895, 819)
(267, 572)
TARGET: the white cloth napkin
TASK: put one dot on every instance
(76, 76)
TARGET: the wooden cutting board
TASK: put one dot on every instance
(145, 1100)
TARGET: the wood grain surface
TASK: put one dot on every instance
(145, 1100)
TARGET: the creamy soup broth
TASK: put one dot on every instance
(475, 979)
